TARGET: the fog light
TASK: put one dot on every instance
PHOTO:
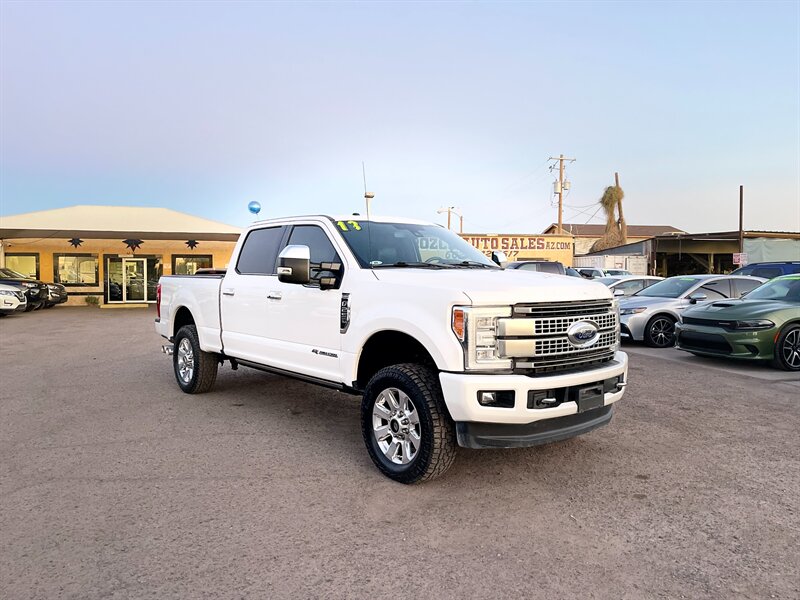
(487, 398)
(499, 399)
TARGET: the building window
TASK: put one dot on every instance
(189, 263)
(25, 263)
(75, 269)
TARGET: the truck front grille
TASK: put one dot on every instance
(535, 337)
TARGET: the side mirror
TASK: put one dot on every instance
(294, 265)
(619, 292)
(499, 258)
(697, 297)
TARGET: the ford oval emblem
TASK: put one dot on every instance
(583, 333)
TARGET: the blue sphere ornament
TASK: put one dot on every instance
(254, 207)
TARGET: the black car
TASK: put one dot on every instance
(36, 292)
(541, 266)
(56, 294)
(769, 270)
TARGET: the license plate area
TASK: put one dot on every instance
(590, 397)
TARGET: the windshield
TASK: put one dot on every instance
(784, 288)
(13, 274)
(409, 245)
(674, 287)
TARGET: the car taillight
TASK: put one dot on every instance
(158, 300)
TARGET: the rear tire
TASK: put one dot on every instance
(405, 425)
(786, 354)
(195, 370)
(660, 332)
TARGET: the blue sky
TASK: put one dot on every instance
(203, 107)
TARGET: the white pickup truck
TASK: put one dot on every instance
(446, 347)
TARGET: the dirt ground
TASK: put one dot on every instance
(114, 484)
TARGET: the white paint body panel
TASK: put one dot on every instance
(300, 333)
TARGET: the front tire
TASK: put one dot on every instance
(195, 370)
(405, 425)
(786, 354)
(660, 332)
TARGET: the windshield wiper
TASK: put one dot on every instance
(414, 265)
(473, 263)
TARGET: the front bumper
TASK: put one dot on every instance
(461, 394)
(632, 326)
(716, 341)
(492, 435)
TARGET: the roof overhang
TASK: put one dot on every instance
(9, 234)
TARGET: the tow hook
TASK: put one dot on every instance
(168, 349)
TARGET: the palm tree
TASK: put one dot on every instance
(616, 230)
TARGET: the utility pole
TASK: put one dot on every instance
(741, 218)
(453, 210)
(560, 188)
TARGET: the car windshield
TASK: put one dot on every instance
(13, 274)
(784, 288)
(378, 245)
(674, 287)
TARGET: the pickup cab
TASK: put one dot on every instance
(445, 347)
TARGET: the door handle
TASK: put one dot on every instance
(274, 296)
(228, 292)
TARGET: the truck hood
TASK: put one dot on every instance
(486, 287)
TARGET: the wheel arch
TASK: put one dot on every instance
(389, 347)
(182, 317)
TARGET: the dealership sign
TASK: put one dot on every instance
(515, 245)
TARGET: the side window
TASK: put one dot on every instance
(529, 267)
(744, 285)
(260, 252)
(317, 241)
(630, 287)
(549, 268)
(716, 290)
(767, 272)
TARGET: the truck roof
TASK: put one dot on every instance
(350, 217)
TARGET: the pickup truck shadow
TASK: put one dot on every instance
(312, 420)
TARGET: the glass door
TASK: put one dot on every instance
(134, 288)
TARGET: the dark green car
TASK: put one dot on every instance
(764, 325)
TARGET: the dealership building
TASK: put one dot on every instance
(115, 253)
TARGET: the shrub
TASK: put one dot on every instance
(92, 300)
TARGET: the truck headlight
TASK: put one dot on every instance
(476, 329)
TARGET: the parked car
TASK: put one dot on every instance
(590, 272)
(616, 272)
(629, 285)
(768, 270)
(36, 291)
(764, 325)
(56, 294)
(541, 266)
(12, 299)
(650, 315)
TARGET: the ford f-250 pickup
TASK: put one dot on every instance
(445, 347)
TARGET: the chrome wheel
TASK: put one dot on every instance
(396, 426)
(791, 349)
(185, 361)
(662, 332)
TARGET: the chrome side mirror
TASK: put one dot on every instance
(294, 264)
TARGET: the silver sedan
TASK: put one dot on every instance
(650, 315)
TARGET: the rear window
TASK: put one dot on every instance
(260, 252)
(767, 272)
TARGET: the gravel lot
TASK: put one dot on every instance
(114, 484)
